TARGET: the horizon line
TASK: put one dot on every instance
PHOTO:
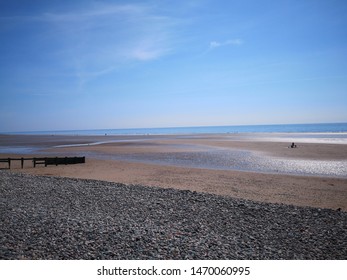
(167, 127)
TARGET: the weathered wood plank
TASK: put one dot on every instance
(46, 160)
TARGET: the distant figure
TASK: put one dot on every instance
(293, 145)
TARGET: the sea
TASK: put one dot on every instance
(274, 128)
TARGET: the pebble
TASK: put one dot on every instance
(61, 218)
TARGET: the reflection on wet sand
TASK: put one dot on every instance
(205, 163)
(229, 159)
(260, 152)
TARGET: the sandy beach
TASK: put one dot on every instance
(169, 162)
(174, 197)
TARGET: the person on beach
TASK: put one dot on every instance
(293, 145)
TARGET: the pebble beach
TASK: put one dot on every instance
(65, 218)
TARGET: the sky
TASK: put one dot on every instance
(68, 65)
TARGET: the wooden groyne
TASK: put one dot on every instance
(45, 160)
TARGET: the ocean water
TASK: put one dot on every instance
(278, 128)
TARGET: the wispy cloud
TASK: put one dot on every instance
(127, 29)
(104, 37)
(95, 11)
(147, 52)
(93, 40)
(233, 42)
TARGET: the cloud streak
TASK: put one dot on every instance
(94, 12)
(105, 37)
(232, 42)
(94, 40)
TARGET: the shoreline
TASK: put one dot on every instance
(318, 192)
(300, 190)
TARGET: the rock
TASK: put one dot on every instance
(60, 218)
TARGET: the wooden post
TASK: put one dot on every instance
(46, 161)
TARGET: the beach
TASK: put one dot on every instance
(188, 162)
(174, 197)
(69, 219)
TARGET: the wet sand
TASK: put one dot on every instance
(102, 164)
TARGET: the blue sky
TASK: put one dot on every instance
(131, 64)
